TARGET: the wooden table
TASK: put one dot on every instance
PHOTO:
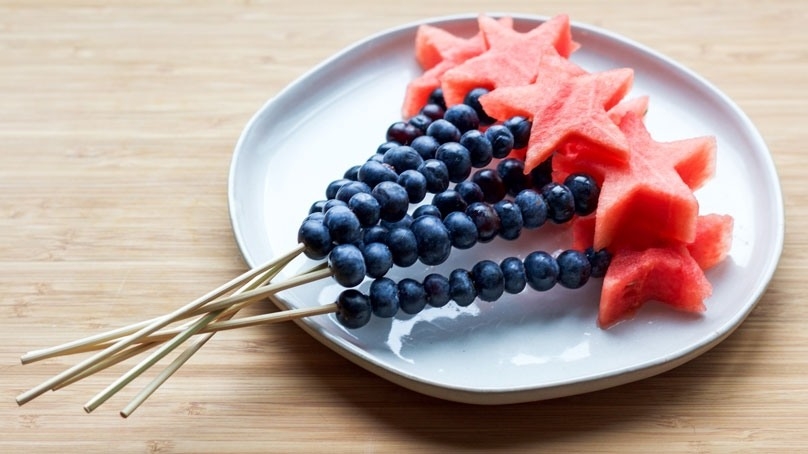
(117, 127)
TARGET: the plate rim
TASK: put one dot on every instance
(515, 394)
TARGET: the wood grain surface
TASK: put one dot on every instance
(117, 126)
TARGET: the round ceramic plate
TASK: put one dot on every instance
(523, 347)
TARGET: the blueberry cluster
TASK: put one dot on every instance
(363, 226)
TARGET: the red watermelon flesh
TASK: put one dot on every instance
(668, 275)
(713, 240)
(638, 105)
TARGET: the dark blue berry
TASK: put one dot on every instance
(425, 146)
(488, 280)
(352, 173)
(411, 296)
(433, 111)
(403, 158)
(599, 260)
(513, 273)
(510, 217)
(354, 310)
(585, 192)
(432, 239)
(541, 270)
(574, 269)
(436, 97)
(332, 203)
(463, 116)
(533, 208)
(560, 202)
(457, 160)
(542, 173)
(420, 121)
(366, 208)
(472, 99)
(470, 191)
(486, 220)
(436, 174)
(384, 297)
(317, 207)
(333, 187)
(512, 172)
(462, 230)
(378, 259)
(449, 201)
(402, 132)
(343, 225)
(404, 223)
(520, 129)
(347, 265)
(349, 190)
(374, 172)
(393, 200)
(414, 182)
(403, 246)
(426, 210)
(315, 238)
(480, 149)
(315, 216)
(491, 184)
(438, 291)
(375, 234)
(461, 287)
(382, 149)
(443, 131)
(501, 139)
(378, 157)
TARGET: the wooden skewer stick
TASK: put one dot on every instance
(130, 352)
(159, 323)
(79, 346)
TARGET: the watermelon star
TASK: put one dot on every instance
(511, 57)
(565, 109)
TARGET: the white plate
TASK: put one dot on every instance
(531, 346)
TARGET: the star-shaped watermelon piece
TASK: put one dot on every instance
(437, 51)
(511, 57)
(566, 109)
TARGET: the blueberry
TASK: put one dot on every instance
(352, 173)
(426, 210)
(574, 269)
(436, 97)
(438, 291)
(461, 287)
(560, 202)
(403, 158)
(420, 121)
(425, 146)
(488, 280)
(329, 204)
(333, 187)
(472, 99)
(354, 309)
(520, 129)
(350, 189)
(457, 160)
(443, 131)
(414, 182)
(402, 132)
(449, 201)
(375, 234)
(411, 296)
(463, 116)
(489, 181)
(393, 200)
(501, 140)
(347, 265)
(510, 217)
(403, 246)
(404, 223)
(374, 172)
(512, 173)
(384, 297)
(533, 208)
(541, 270)
(378, 157)
(378, 259)
(432, 239)
(513, 273)
(319, 216)
(585, 192)
(542, 173)
(315, 238)
(470, 191)
(343, 225)
(317, 207)
(486, 220)
(436, 174)
(599, 260)
(433, 111)
(366, 208)
(382, 149)
(479, 147)
(462, 230)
